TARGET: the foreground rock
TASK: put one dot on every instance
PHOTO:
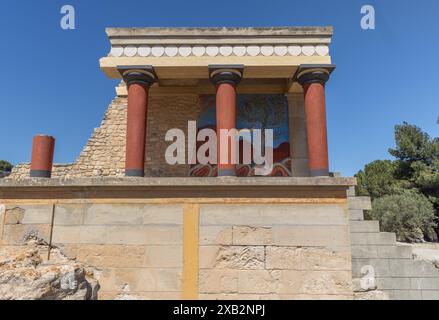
(25, 274)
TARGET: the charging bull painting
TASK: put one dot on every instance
(256, 111)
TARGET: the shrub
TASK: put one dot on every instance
(409, 214)
(5, 166)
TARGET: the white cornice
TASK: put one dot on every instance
(212, 42)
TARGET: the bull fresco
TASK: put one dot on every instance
(255, 111)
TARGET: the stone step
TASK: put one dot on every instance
(404, 294)
(370, 267)
(413, 294)
(394, 268)
(395, 283)
(386, 252)
(412, 268)
(378, 238)
(359, 203)
(365, 226)
(356, 215)
(351, 192)
(425, 283)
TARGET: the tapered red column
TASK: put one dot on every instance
(138, 81)
(42, 156)
(226, 78)
(313, 79)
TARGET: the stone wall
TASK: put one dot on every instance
(274, 252)
(136, 249)
(104, 154)
(270, 251)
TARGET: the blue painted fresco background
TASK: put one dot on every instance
(256, 111)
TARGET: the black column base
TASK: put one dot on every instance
(319, 172)
(40, 173)
(226, 173)
(134, 173)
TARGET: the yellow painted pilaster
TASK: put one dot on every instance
(190, 251)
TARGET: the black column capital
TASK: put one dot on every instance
(232, 73)
(143, 75)
(313, 73)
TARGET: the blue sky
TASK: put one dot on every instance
(51, 82)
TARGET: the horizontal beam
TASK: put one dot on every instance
(258, 67)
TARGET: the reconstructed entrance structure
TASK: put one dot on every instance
(197, 231)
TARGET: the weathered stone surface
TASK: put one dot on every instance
(360, 203)
(14, 215)
(232, 257)
(140, 296)
(218, 281)
(215, 235)
(311, 236)
(259, 281)
(316, 297)
(106, 214)
(19, 234)
(140, 280)
(236, 296)
(371, 295)
(265, 215)
(427, 252)
(315, 282)
(254, 236)
(123, 235)
(25, 274)
(294, 258)
(69, 214)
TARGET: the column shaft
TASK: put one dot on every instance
(315, 111)
(42, 156)
(226, 78)
(138, 80)
(225, 119)
(136, 129)
(313, 79)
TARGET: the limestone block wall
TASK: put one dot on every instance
(137, 249)
(159, 250)
(274, 252)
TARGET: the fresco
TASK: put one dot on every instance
(256, 111)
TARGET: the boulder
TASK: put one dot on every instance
(26, 274)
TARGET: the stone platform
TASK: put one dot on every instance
(193, 238)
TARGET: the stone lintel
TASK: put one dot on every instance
(220, 31)
(184, 188)
(179, 53)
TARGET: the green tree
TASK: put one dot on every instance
(378, 179)
(5, 166)
(409, 214)
(415, 170)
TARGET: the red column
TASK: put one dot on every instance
(225, 119)
(136, 130)
(42, 156)
(313, 79)
(138, 81)
(315, 112)
(226, 78)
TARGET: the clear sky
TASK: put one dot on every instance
(51, 82)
